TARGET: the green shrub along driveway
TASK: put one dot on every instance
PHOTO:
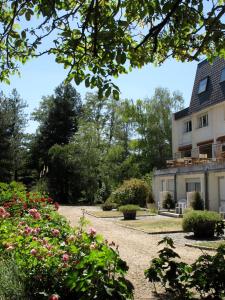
(135, 247)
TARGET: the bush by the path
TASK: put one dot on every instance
(133, 191)
(57, 259)
(202, 223)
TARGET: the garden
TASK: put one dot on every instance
(44, 257)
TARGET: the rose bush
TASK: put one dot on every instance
(60, 262)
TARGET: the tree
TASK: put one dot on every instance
(99, 39)
(12, 124)
(154, 128)
(58, 116)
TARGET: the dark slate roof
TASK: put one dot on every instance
(181, 114)
(215, 91)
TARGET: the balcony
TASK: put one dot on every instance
(204, 154)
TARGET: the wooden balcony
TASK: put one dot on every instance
(212, 153)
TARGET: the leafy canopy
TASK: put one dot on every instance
(97, 39)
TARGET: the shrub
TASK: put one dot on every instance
(202, 223)
(11, 190)
(204, 279)
(107, 206)
(197, 203)
(12, 285)
(129, 211)
(57, 259)
(168, 202)
(133, 191)
(128, 208)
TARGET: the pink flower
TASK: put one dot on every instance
(32, 211)
(56, 204)
(54, 297)
(37, 216)
(65, 257)
(33, 252)
(3, 213)
(36, 230)
(27, 230)
(92, 231)
(55, 232)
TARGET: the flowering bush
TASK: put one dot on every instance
(60, 262)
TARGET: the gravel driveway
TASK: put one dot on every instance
(135, 247)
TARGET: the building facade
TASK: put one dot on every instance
(198, 138)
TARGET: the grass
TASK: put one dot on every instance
(117, 214)
(211, 244)
(155, 225)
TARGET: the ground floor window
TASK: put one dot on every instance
(193, 187)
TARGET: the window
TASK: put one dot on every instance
(193, 187)
(171, 185)
(188, 126)
(202, 85)
(203, 121)
(222, 77)
(163, 185)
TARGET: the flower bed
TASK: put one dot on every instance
(59, 262)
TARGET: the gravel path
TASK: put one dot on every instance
(135, 247)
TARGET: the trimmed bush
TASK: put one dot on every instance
(133, 191)
(168, 202)
(129, 211)
(202, 223)
(197, 203)
(107, 206)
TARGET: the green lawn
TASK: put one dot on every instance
(116, 214)
(155, 225)
(210, 244)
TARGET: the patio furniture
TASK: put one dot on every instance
(181, 206)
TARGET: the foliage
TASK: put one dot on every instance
(133, 191)
(202, 223)
(106, 42)
(107, 206)
(168, 202)
(173, 275)
(12, 124)
(11, 190)
(203, 279)
(197, 203)
(12, 285)
(57, 259)
(129, 208)
(153, 119)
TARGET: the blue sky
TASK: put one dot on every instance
(39, 77)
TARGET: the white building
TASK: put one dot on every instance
(198, 134)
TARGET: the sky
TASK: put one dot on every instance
(39, 77)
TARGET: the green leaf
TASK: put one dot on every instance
(28, 15)
(87, 82)
(116, 95)
(23, 34)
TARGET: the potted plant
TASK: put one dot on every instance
(129, 211)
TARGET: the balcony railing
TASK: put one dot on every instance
(200, 155)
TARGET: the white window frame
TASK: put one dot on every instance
(200, 121)
(187, 126)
